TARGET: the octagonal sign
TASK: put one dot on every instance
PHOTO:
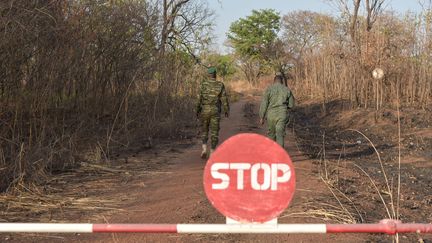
(250, 179)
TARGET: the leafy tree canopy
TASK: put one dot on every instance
(225, 64)
(251, 36)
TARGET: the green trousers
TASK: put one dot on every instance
(276, 127)
(210, 122)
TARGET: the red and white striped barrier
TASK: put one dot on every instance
(234, 188)
(386, 227)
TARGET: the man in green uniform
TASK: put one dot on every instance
(277, 100)
(212, 96)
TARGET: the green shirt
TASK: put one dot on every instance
(277, 99)
(212, 96)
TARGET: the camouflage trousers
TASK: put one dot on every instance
(276, 127)
(210, 123)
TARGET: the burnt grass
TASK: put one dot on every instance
(340, 155)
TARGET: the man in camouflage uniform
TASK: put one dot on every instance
(212, 96)
(277, 100)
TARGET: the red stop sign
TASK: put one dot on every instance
(250, 178)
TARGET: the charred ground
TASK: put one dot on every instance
(347, 161)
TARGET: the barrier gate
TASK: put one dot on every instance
(250, 180)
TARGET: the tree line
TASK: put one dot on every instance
(332, 56)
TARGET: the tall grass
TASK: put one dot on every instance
(341, 68)
(79, 75)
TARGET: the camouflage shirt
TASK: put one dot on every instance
(212, 95)
(277, 100)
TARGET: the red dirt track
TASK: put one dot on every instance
(180, 198)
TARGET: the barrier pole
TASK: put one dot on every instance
(384, 227)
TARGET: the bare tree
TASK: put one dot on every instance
(350, 9)
(354, 18)
(401, 46)
(303, 31)
(425, 4)
(185, 25)
(373, 9)
(171, 9)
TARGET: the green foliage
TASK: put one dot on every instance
(254, 34)
(225, 64)
(253, 39)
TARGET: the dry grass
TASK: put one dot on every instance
(329, 173)
(321, 211)
(387, 183)
(341, 68)
(71, 80)
(241, 86)
(83, 194)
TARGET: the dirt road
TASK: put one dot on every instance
(174, 194)
(178, 197)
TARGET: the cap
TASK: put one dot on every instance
(211, 70)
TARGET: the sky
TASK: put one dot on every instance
(228, 11)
